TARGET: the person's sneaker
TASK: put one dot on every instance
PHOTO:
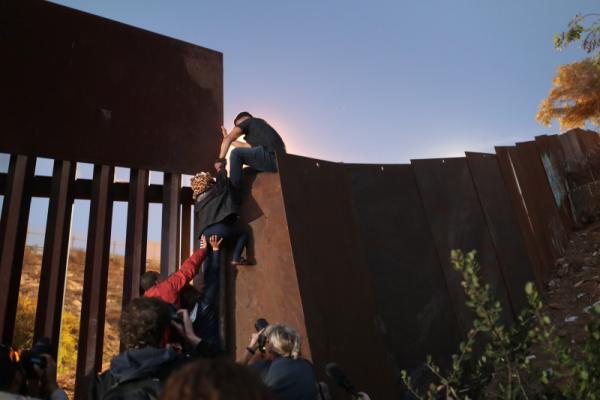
(242, 261)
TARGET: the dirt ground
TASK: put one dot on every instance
(575, 286)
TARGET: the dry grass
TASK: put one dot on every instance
(71, 309)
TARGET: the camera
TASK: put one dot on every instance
(34, 356)
(260, 325)
(175, 316)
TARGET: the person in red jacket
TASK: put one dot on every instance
(167, 289)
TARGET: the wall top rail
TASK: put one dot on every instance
(41, 186)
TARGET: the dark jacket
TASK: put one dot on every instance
(136, 374)
(220, 203)
(287, 378)
(139, 374)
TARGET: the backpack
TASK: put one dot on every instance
(105, 388)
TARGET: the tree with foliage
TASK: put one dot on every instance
(589, 34)
(575, 95)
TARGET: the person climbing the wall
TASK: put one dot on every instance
(259, 150)
(217, 210)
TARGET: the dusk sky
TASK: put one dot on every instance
(378, 81)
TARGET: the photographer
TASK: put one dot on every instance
(141, 369)
(288, 376)
(33, 375)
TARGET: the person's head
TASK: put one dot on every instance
(149, 279)
(189, 296)
(215, 380)
(144, 322)
(282, 341)
(12, 375)
(241, 117)
(201, 182)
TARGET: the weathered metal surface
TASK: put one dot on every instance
(571, 148)
(409, 286)
(169, 240)
(93, 307)
(335, 285)
(457, 222)
(186, 232)
(540, 201)
(537, 258)
(270, 288)
(13, 232)
(588, 140)
(84, 88)
(54, 259)
(503, 226)
(552, 157)
(135, 242)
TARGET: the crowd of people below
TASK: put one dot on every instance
(171, 332)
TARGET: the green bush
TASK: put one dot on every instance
(496, 361)
(23, 333)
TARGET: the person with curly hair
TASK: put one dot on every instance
(217, 210)
(140, 371)
(215, 380)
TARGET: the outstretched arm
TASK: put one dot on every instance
(189, 268)
(168, 290)
(228, 139)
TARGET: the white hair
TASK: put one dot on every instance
(284, 340)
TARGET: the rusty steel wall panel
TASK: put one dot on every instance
(457, 222)
(84, 88)
(186, 232)
(342, 320)
(539, 199)
(552, 158)
(589, 141)
(409, 285)
(503, 226)
(270, 288)
(537, 258)
(572, 149)
(169, 239)
(54, 259)
(13, 233)
(93, 305)
(136, 241)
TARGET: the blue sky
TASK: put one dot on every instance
(379, 81)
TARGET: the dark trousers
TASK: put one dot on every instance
(229, 233)
(258, 158)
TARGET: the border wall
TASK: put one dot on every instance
(367, 262)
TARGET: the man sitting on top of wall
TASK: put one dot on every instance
(258, 152)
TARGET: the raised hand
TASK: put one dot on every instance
(215, 242)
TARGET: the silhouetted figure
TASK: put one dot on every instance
(259, 150)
